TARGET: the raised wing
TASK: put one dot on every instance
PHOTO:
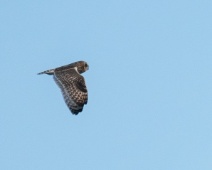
(73, 88)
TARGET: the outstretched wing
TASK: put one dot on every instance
(73, 88)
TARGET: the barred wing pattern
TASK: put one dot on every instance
(73, 88)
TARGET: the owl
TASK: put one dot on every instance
(72, 84)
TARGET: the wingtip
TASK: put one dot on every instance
(75, 112)
(49, 72)
(43, 72)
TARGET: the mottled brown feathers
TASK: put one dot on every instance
(72, 84)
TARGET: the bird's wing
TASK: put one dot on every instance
(73, 88)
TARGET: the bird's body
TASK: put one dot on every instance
(72, 84)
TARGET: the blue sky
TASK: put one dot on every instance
(149, 85)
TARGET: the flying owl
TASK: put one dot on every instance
(72, 84)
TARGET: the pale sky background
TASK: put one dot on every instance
(150, 85)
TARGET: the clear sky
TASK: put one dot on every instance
(149, 83)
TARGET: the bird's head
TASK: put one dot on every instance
(82, 66)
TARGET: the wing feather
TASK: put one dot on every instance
(73, 88)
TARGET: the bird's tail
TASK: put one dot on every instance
(49, 72)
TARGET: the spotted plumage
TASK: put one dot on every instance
(72, 84)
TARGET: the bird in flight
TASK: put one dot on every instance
(72, 84)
